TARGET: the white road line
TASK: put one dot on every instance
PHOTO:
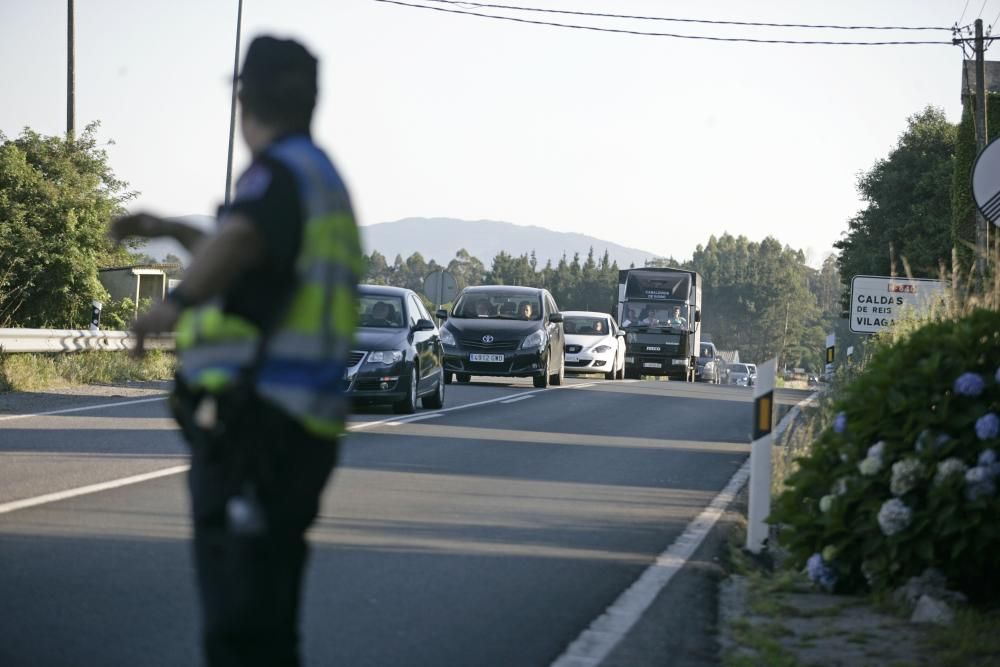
(519, 398)
(135, 479)
(596, 642)
(99, 406)
(92, 488)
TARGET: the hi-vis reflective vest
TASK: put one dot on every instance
(305, 358)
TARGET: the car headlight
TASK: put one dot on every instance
(386, 358)
(601, 349)
(447, 338)
(535, 339)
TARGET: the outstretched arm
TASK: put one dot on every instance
(147, 225)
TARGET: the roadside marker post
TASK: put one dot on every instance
(760, 456)
(831, 348)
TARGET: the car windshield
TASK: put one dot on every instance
(586, 326)
(499, 305)
(707, 351)
(739, 368)
(646, 315)
(381, 311)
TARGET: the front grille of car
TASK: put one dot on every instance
(573, 349)
(354, 358)
(577, 363)
(478, 344)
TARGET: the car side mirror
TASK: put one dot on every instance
(424, 325)
(620, 333)
(442, 314)
(556, 317)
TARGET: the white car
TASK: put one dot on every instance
(594, 344)
(740, 374)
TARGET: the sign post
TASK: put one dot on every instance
(831, 351)
(760, 456)
(440, 287)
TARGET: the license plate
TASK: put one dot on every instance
(680, 362)
(490, 358)
(652, 364)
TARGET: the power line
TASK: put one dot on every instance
(981, 9)
(664, 34)
(963, 11)
(484, 5)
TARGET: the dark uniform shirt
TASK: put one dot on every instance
(268, 196)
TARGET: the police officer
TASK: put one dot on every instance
(264, 320)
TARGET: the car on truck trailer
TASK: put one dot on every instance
(660, 311)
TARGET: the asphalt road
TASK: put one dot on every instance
(492, 532)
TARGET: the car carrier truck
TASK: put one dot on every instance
(660, 311)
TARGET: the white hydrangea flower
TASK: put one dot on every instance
(905, 475)
(870, 466)
(840, 487)
(824, 503)
(894, 516)
(948, 467)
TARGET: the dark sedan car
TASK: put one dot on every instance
(397, 357)
(504, 331)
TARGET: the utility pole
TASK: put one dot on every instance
(232, 106)
(981, 137)
(70, 73)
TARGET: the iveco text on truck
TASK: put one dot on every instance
(660, 311)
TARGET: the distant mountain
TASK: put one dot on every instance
(440, 238)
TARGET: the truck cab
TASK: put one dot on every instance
(660, 311)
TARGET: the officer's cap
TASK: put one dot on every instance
(273, 63)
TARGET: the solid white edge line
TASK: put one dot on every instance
(595, 643)
(91, 488)
(83, 409)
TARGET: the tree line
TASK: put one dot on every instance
(761, 299)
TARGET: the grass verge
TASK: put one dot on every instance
(36, 372)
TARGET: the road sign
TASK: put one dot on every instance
(986, 182)
(878, 301)
(440, 287)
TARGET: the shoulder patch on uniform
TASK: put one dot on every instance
(253, 183)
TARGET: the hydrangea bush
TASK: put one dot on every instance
(907, 476)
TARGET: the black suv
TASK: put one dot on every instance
(504, 331)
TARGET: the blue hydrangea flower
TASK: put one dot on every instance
(820, 573)
(840, 422)
(877, 450)
(978, 483)
(987, 426)
(969, 384)
(996, 376)
(987, 458)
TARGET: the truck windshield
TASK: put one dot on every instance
(657, 315)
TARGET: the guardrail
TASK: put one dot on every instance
(75, 340)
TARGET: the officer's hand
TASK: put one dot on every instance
(160, 319)
(138, 224)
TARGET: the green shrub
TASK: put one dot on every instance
(34, 372)
(906, 476)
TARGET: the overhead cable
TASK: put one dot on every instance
(484, 5)
(666, 34)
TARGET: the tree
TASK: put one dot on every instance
(909, 213)
(56, 199)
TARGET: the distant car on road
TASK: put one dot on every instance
(397, 357)
(504, 331)
(739, 374)
(594, 344)
(710, 366)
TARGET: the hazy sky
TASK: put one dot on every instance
(650, 142)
